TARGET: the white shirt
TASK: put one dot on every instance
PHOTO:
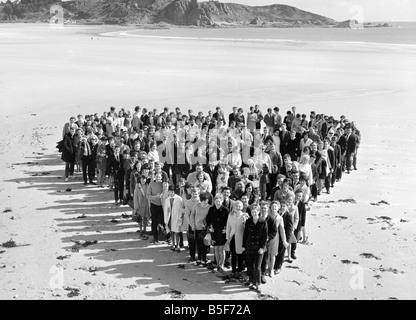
(234, 159)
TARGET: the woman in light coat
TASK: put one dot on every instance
(173, 216)
(234, 235)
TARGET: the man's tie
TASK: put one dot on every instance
(88, 148)
(171, 203)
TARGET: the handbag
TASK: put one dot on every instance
(207, 239)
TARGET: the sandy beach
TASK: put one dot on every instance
(362, 235)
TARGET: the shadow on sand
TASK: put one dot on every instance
(87, 213)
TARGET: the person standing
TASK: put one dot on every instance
(141, 207)
(154, 194)
(284, 139)
(101, 161)
(358, 141)
(251, 120)
(87, 161)
(259, 117)
(117, 171)
(351, 147)
(217, 224)
(234, 234)
(269, 120)
(254, 243)
(199, 224)
(173, 217)
(271, 234)
(288, 226)
(68, 126)
(274, 244)
(68, 153)
(277, 120)
(338, 159)
(191, 227)
(136, 121)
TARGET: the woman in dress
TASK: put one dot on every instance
(141, 208)
(293, 212)
(251, 120)
(217, 224)
(101, 162)
(275, 243)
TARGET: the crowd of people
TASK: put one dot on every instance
(239, 186)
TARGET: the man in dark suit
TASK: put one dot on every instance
(332, 164)
(144, 142)
(358, 135)
(337, 174)
(87, 161)
(232, 181)
(277, 162)
(351, 147)
(68, 153)
(216, 114)
(233, 115)
(284, 139)
(117, 170)
(292, 147)
(342, 142)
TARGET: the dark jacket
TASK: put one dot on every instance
(288, 225)
(293, 149)
(68, 150)
(284, 139)
(337, 154)
(321, 166)
(116, 167)
(255, 235)
(331, 158)
(352, 143)
(342, 142)
(271, 228)
(144, 144)
(217, 219)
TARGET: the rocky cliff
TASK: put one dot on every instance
(176, 12)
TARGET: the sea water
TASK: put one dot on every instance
(400, 33)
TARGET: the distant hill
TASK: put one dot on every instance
(175, 12)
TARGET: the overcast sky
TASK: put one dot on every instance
(340, 10)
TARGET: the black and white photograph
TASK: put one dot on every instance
(206, 151)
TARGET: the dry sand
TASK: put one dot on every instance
(47, 75)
